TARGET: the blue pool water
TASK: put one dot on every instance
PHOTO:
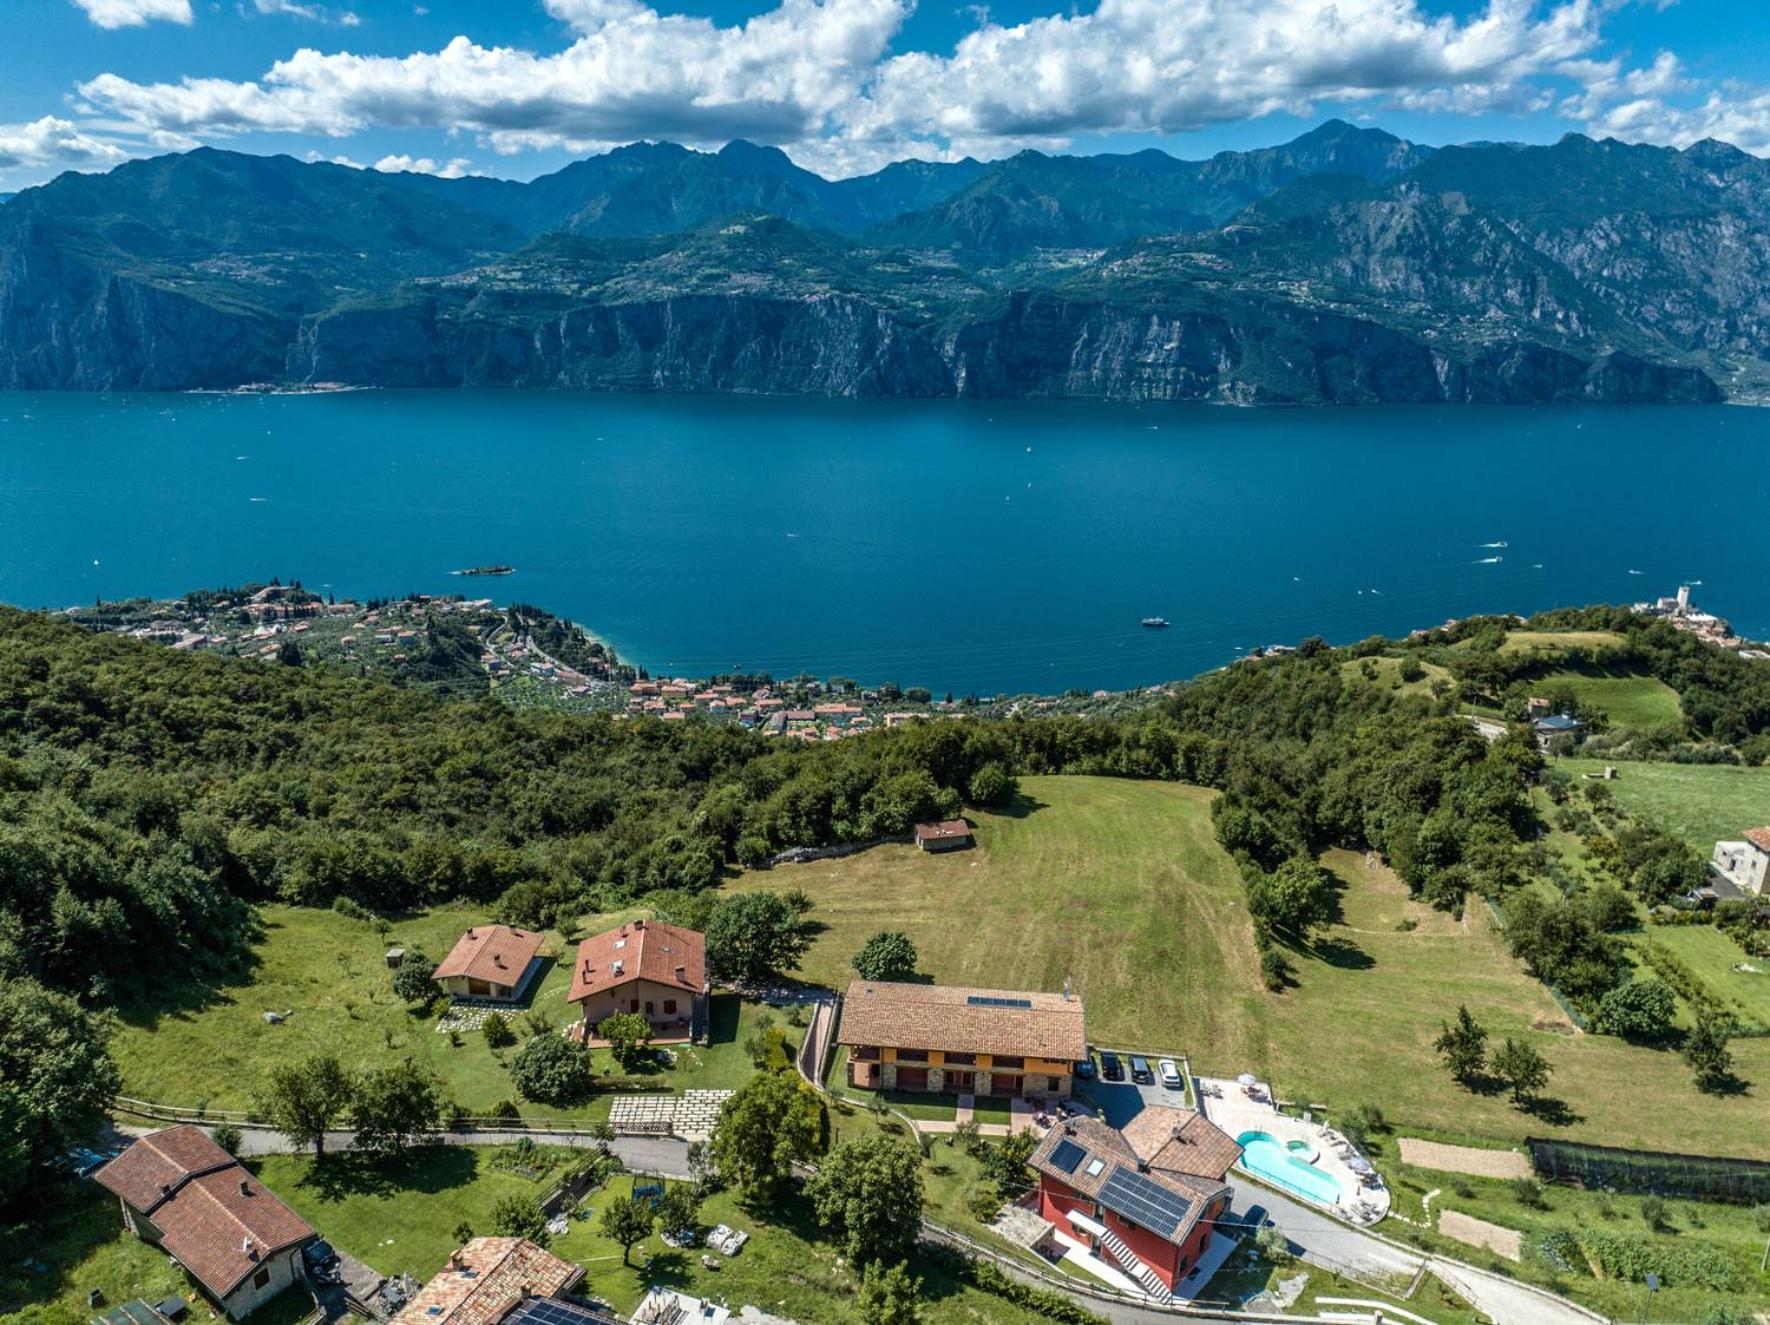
(965, 546)
(1266, 1156)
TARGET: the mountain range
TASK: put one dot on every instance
(1345, 266)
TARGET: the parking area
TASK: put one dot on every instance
(1120, 1101)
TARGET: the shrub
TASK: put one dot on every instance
(411, 982)
(1529, 1193)
(552, 1069)
(497, 1031)
(518, 1216)
(227, 1136)
(887, 955)
(1275, 971)
(993, 784)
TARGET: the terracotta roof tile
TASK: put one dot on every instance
(958, 1019)
(1758, 837)
(1181, 1141)
(485, 1279)
(946, 830)
(496, 953)
(652, 950)
(152, 1167)
(1105, 1151)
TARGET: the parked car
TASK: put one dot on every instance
(1140, 1072)
(1110, 1067)
(1169, 1072)
(1085, 1068)
(322, 1262)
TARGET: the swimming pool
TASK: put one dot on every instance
(1264, 1155)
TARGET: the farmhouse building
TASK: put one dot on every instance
(1146, 1198)
(650, 967)
(488, 1278)
(1555, 727)
(491, 961)
(946, 835)
(186, 1195)
(1744, 864)
(941, 1038)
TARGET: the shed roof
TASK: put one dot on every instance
(944, 830)
(495, 953)
(653, 950)
(959, 1019)
(484, 1279)
(1758, 837)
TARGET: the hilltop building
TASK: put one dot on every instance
(650, 967)
(942, 1038)
(1744, 864)
(187, 1196)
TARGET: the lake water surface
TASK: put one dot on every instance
(964, 546)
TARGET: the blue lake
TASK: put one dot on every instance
(966, 546)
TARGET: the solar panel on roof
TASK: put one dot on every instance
(1144, 1202)
(987, 1001)
(552, 1311)
(1067, 1155)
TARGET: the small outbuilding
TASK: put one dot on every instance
(944, 835)
(493, 962)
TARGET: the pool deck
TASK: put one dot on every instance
(1232, 1108)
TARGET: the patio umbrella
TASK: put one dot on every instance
(1247, 1079)
(1359, 1164)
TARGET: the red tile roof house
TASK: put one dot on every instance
(485, 1279)
(492, 962)
(947, 835)
(186, 1195)
(1145, 1199)
(944, 1038)
(656, 969)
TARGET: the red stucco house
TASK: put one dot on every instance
(1145, 1199)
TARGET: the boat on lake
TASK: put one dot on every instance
(1155, 623)
(485, 570)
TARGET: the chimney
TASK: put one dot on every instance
(682, 975)
(639, 924)
(251, 1250)
(245, 1188)
(470, 933)
(1142, 1165)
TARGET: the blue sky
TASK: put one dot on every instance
(518, 87)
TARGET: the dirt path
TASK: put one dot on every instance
(1508, 1242)
(1464, 1159)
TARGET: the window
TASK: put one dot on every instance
(262, 1278)
(961, 1059)
(648, 1007)
(669, 1006)
(632, 1005)
(1053, 1084)
(1008, 1060)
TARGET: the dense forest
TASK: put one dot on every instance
(150, 798)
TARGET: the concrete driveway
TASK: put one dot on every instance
(1121, 1101)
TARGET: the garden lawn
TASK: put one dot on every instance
(1731, 1229)
(1117, 886)
(1712, 955)
(328, 974)
(788, 1266)
(1702, 803)
(1628, 701)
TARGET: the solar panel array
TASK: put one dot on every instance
(551, 1311)
(1145, 1203)
(987, 1001)
(1066, 1155)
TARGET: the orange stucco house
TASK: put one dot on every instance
(650, 967)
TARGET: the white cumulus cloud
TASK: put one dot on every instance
(134, 13)
(454, 168)
(56, 142)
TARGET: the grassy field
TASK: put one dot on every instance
(1733, 1230)
(1628, 701)
(1713, 956)
(1118, 887)
(788, 1266)
(1150, 927)
(1388, 675)
(1702, 803)
(1554, 643)
(327, 973)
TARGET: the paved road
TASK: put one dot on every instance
(667, 1155)
(1322, 1240)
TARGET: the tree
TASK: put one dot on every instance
(754, 937)
(1463, 1047)
(411, 982)
(1522, 1068)
(772, 1121)
(1705, 1049)
(888, 955)
(394, 1105)
(1638, 1010)
(552, 1069)
(518, 1216)
(1295, 899)
(55, 1080)
(227, 1136)
(497, 1031)
(679, 1208)
(627, 1220)
(304, 1100)
(992, 784)
(870, 1190)
(627, 1033)
(889, 1295)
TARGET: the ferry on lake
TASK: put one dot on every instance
(1155, 623)
(485, 570)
